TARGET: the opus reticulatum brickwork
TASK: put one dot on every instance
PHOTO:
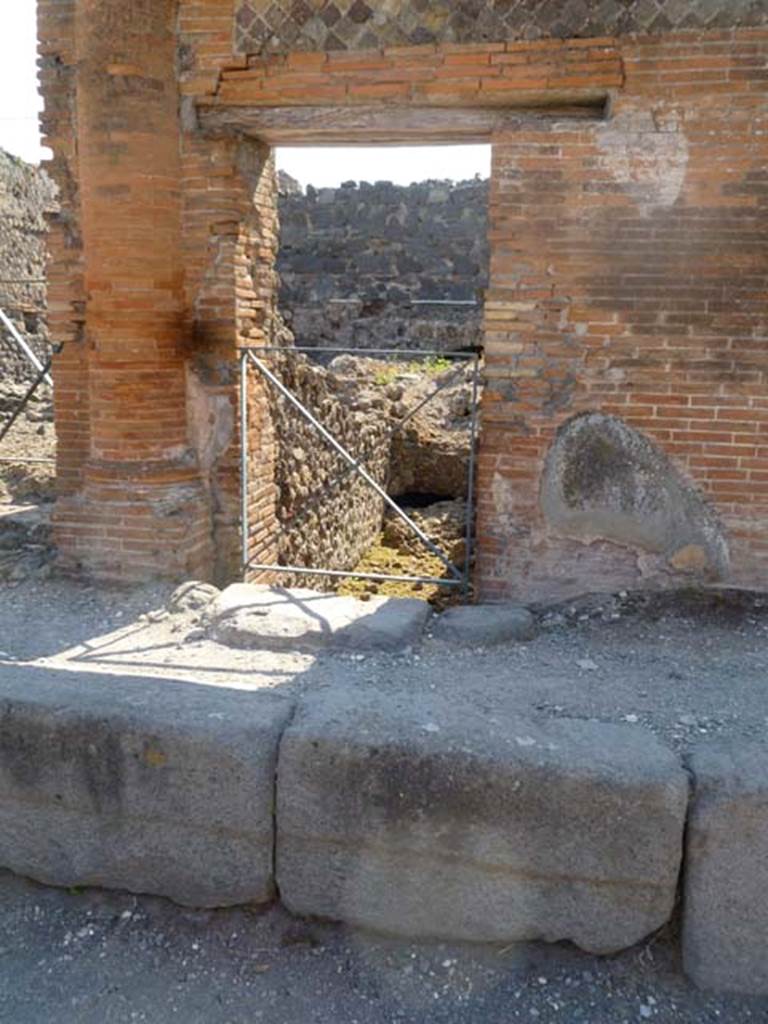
(628, 279)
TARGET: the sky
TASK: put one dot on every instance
(19, 100)
(19, 132)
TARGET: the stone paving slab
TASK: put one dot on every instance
(430, 819)
(484, 625)
(152, 786)
(725, 905)
(272, 618)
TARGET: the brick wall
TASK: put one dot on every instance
(628, 277)
(630, 273)
(131, 500)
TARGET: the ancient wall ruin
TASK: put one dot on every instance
(383, 266)
(628, 269)
(327, 515)
(26, 196)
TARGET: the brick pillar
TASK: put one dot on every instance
(141, 509)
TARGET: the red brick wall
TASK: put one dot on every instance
(630, 276)
(628, 268)
(66, 289)
(132, 502)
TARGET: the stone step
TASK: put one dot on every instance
(251, 615)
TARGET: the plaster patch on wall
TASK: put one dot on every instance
(211, 418)
(646, 155)
(605, 481)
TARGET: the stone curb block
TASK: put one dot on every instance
(156, 787)
(442, 822)
(484, 625)
(252, 615)
(725, 908)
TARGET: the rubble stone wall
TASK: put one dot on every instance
(327, 515)
(380, 265)
(26, 195)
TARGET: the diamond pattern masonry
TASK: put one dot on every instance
(282, 25)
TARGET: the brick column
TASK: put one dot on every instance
(142, 508)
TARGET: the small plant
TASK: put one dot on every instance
(432, 366)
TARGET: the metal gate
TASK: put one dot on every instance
(256, 360)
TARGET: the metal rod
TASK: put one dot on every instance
(42, 375)
(408, 302)
(341, 450)
(244, 489)
(442, 302)
(471, 481)
(11, 327)
(297, 518)
(379, 577)
(47, 462)
(366, 352)
(417, 408)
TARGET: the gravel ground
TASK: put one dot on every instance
(692, 668)
(109, 958)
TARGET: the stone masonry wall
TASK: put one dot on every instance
(26, 196)
(359, 264)
(327, 516)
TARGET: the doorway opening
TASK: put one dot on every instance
(381, 286)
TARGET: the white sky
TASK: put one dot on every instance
(19, 132)
(19, 101)
(327, 168)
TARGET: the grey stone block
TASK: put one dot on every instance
(272, 618)
(152, 786)
(725, 905)
(483, 625)
(437, 820)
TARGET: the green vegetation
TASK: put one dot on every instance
(432, 366)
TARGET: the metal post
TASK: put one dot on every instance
(471, 482)
(245, 525)
(11, 327)
(356, 464)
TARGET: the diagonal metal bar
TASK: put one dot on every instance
(11, 328)
(425, 401)
(351, 469)
(356, 464)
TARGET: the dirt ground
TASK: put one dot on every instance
(691, 667)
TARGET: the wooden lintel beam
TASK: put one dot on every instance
(380, 125)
